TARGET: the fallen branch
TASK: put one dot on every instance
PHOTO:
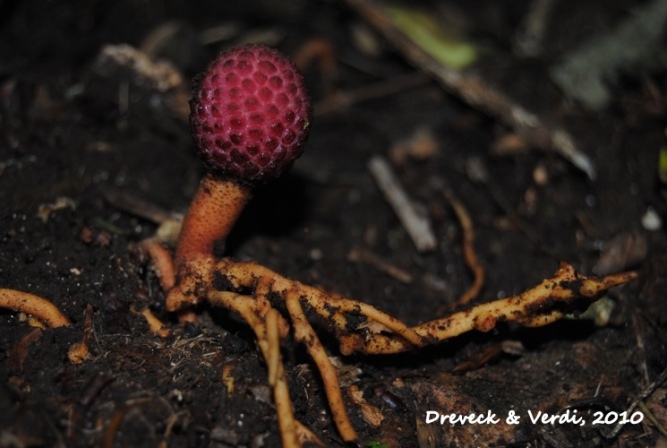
(415, 224)
(477, 91)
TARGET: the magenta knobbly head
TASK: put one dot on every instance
(250, 114)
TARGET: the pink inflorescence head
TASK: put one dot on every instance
(250, 114)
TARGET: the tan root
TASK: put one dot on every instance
(541, 305)
(266, 325)
(162, 262)
(79, 351)
(469, 254)
(362, 328)
(33, 305)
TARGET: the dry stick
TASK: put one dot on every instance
(169, 223)
(469, 254)
(33, 305)
(477, 92)
(347, 98)
(357, 254)
(304, 332)
(639, 338)
(246, 306)
(415, 224)
(135, 205)
(644, 394)
(647, 412)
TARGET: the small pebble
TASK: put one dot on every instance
(316, 254)
(540, 175)
(651, 220)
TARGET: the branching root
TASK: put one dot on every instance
(360, 327)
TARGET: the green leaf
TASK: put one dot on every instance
(432, 37)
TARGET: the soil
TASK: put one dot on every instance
(70, 134)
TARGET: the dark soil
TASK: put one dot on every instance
(67, 132)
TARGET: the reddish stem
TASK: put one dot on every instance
(212, 214)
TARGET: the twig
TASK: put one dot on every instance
(477, 92)
(660, 427)
(415, 224)
(644, 394)
(365, 256)
(342, 99)
(135, 205)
